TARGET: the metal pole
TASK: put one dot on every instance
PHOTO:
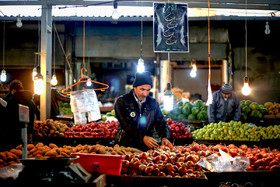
(46, 57)
(24, 140)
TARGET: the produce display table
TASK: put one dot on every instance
(181, 141)
(154, 181)
(272, 119)
(106, 109)
(271, 143)
(194, 124)
(256, 178)
(75, 141)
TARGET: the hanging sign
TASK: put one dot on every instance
(170, 28)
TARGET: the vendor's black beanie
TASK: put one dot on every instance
(142, 79)
(227, 89)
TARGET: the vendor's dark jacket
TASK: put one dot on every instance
(135, 124)
(11, 127)
(55, 98)
(217, 110)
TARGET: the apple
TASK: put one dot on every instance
(143, 155)
(182, 170)
(142, 167)
(169, 167)
(162, 174)
(149, 169)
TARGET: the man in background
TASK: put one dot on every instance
(225, 106)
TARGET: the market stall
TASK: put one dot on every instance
(79, 147)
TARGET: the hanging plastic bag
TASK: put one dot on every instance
(83, 101)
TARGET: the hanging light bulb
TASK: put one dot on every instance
(246, 90)
(140, 65)
(54, 80)
(168, 98)
(38, 84)
(88, 83)
(115, 14)
(34, 73)
(193, 71)
(267, 30)
(3, 75)
(19, 23)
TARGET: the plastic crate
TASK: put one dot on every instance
(108, 164)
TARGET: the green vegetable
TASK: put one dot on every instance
(176, 111)
(254, 106)
(191, 117)
(188, 104)
(203, 108)
(198, 103)
(248, 102)
(263, 110)
(186, 110)
(202, 115)
(195, 110)
(181, 117)
(246, 110)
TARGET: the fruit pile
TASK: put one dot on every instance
(93, 130)
(236, 131)
(178, 130)
(179, 161)
(52, 150)
(273, 109)
(49, 128)
(251, 111)
(108, 114)
(186, 110)
(10, 157)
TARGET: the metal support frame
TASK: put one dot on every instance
(46, 59)
(229, 4)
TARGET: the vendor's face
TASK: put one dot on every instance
(142, 91)
(226, 95)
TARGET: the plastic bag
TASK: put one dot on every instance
(11, 171)
(225, 162)
(83, 101)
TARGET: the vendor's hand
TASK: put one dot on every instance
(150, 142)
(165, 141)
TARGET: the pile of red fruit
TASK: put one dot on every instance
(165, 162)
(178, 130)
(181, 161)
(105, 129)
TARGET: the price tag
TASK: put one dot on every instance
(23, 113)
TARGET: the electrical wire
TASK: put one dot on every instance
(84, 40)
(141, 44)
(53, 52)
(209, 50)
(4, 31)
(63, 51)
(209, 90)
(246, 44)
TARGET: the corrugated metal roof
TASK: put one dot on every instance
(103, 13)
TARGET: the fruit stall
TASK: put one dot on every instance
(215, 154)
